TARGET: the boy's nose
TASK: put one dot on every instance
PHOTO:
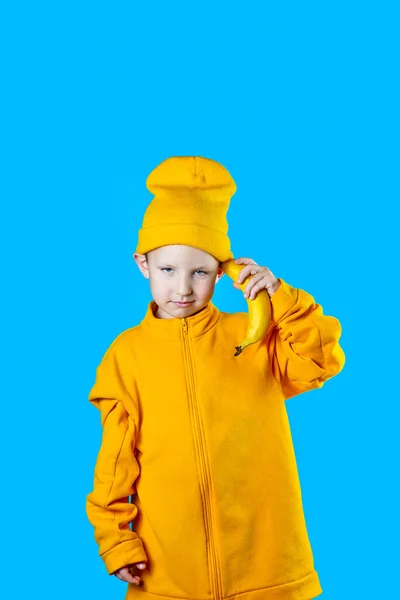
(184, 288)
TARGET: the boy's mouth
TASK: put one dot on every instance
(183, 303)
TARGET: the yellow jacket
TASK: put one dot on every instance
(200, 440)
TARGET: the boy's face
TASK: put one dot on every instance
(177, 274)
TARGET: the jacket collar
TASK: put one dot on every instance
(172, 329)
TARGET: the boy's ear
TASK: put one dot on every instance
(220, 274)
(142, 264)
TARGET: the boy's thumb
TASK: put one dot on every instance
(141, 565)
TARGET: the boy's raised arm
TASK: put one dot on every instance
(303, 345)
(107, 506)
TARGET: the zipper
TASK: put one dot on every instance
(205, 478)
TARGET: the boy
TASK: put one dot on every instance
(196, 451)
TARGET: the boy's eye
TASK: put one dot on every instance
(170, 269)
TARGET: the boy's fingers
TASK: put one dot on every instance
(247, 271)
(125, 574)
(242, 275)
(252, 293)
(245, 260)
(251, 287)
(127, 578)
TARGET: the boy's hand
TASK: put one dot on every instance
(263, 278)
(128, 573)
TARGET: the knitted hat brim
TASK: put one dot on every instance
(211, 241)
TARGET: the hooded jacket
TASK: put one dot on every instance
(196, 472)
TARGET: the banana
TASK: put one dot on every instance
(259, 308)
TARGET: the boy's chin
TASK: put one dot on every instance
(173, 311)
(193, 309)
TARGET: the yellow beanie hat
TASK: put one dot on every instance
(191, 199)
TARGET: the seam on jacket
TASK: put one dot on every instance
(174, 597)
(208, 467)
(290, 307)
(115, 467)
(277, 333)
(320, 340)
(267, 338)
(322, 346)
(187, 354)
(269, 587)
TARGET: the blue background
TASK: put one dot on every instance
(300, 102)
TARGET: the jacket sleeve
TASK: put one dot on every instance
(116, 469)
(303, 343)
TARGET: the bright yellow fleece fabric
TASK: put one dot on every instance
(197, 452)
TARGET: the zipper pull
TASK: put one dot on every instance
(184, 325)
